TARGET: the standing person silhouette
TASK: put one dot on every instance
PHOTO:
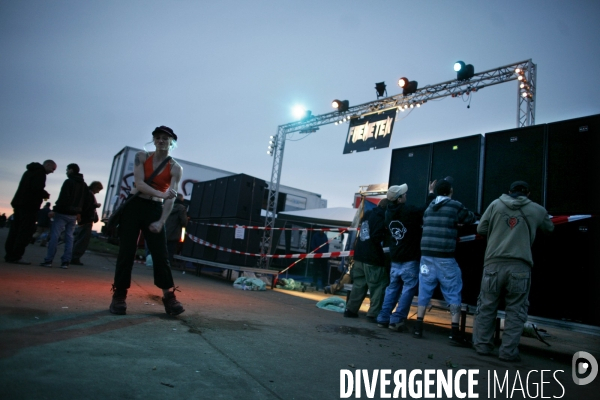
(26, 204)
(148, 212)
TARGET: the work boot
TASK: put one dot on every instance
(172, 306)
(399, 326)
(118, 305)
(418, 329)
(458, 339)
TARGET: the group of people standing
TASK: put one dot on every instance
(422, 242)
(156, 181)
(76, 207)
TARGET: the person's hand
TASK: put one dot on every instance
(169, 194)
(155, 227)
(432, 186)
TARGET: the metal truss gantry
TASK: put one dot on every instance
(525, 72)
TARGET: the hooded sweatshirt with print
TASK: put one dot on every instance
(404, 223)
(368, 248)
(509, 237)
(440, 223)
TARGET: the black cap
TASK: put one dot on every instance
(164, 129)
(519, 186)
(443, 187)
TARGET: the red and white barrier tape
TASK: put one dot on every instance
(563, 219)
(556, 220)
(301, 255)
(268, 228)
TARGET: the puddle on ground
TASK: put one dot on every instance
(199, 324)
(155, 298)
(22, 313)
(349, 330)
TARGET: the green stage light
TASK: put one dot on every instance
(463, 71)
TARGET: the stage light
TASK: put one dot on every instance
(380, 87)
(272, 144)
(340, 105)
(301, 113)
(463, 71)
(408, 87)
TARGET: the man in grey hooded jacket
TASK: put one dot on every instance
(510, 224)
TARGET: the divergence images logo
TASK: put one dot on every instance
(584, 363)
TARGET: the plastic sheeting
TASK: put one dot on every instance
(288, 284)
(246, 283)
(333, 303)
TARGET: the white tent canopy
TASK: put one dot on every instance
(335, 216)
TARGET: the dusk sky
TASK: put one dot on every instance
(80, 80)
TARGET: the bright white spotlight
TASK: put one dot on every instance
(299, 112)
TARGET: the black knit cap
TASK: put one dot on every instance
(443, 187)
(519, 186)
(164, 129)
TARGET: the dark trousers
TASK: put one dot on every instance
(320, 268)
(21, 231)
(81, 240)
(137, 216)
(172, 249)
